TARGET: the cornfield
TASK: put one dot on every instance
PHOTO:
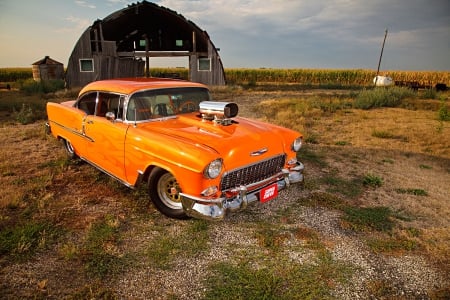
(14, 74)
(356, 77)
(315, 77)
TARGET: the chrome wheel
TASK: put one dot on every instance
(69, 149)
(167, 189)
(164, 192)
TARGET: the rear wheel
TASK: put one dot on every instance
(164, 192)
(70, 151)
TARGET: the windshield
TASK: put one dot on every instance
(155, 104)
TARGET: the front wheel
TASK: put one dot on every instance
(164, 192)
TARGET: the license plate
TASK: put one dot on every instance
(268, 193)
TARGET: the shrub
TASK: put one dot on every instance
(382, 134)
(443, 113)
(29, 113)
(30, 86)
(382, 97)
(429, 94)
(372, 180)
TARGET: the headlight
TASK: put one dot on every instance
(296, 144)
(213, 169)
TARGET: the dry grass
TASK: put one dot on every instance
(406, 148)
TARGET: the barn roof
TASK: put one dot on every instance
(47, 61)
(159, 24)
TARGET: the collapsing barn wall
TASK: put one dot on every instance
(85, 66)
(120, 45)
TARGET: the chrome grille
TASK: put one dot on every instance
(252, 173)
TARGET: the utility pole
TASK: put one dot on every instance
(381, 55)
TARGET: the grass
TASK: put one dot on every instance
(368, 218)
(351, 188)
(324, 199)
(410, 191)
(100, 252)
(167, 249)
(281, 279)
(116, 235)
(24, 240)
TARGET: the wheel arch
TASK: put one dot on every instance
(145, 175)
(181, 174)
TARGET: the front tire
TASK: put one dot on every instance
(164, 192)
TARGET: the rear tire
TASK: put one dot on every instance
(70, 151)
(164, 192)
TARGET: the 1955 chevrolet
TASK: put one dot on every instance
(198, 158)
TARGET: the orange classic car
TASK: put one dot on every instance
(197, 157)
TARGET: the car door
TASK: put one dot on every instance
(107, 135)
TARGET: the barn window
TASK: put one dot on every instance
(86, 65)
(204, 64)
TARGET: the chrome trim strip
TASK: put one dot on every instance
(80, 134)
(107, 173)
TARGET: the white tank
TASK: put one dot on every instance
(382, 81)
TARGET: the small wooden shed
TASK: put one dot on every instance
(121, 44)
(47, 69)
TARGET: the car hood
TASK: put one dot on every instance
(243, 140)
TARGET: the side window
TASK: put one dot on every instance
(139, 108)
(87, 103)
(110, 103)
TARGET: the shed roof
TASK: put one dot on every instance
(47, 61)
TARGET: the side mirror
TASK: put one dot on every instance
(110, 116)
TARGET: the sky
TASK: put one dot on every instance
(307, 34)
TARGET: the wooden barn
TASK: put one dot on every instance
(122, 44)
(47, 69)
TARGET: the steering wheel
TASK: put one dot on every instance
(187, 106)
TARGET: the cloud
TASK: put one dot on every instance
(84, 4)
(78, 24)
(322, 33)
(116, 2)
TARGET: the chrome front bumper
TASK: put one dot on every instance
(216, 209)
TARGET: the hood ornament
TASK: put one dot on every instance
(259, 152)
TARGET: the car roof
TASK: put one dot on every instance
(131, 85)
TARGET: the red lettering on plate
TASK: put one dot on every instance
(268, 193)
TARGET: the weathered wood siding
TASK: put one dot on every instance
(48, 69)
(123, 30)
(215, 76)
(107, 64)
